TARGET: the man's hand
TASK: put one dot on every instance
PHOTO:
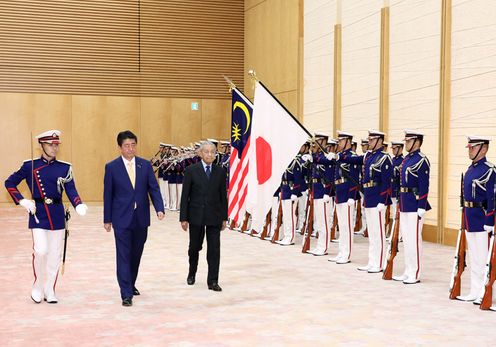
(81, 209)
(184, 225)
(224, 223)
(107, 226)
(160, 215)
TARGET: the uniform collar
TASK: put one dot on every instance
(46, 161)
(482, 160)
(413, 153)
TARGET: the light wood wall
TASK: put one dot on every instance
(90, 124)
(272, 48)
(173, 48)
(415, 40)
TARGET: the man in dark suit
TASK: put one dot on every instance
(128, 182)
(204, 211)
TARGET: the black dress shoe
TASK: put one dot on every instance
(215, 287)
(127, 302)
(191, 280)
(136, 291)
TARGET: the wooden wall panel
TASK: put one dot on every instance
(174, 48)
(186, 124)
(155, 124)
(216, 119)
(271, 45)
(96, 122)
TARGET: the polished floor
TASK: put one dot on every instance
(272, 296)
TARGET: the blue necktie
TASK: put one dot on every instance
(207, 171)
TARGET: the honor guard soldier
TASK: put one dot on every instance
(478, 196)
(290, 191)
(225, 149)
(321, 200)
(397, 150)
(172, 174)
(414, 189)
(376, 182)
(331, 147)
(364, 144)
(47, 178)
(347, 186)
(304, 161)
(162, 177)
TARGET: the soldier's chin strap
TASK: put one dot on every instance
(46, 154)
(480, 149)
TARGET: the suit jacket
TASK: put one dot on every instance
(204, 200)
(119, 197)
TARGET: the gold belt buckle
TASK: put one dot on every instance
(48, 201)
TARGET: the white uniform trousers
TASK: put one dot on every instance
(302, 204)
(172, 196)
(47, 256)
(164, 190)
(411, 229)
(289, 219)
(321, 225)
(364, 217)
(179, 191)
(273, 217)
(377, 236)
(330, 215)
(478, 243)
(345, 220)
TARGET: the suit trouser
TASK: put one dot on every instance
(411, 229)
(376, 228)
(289, 219)
(164, 189)
(477, 251)
(47, 256)
(345, 222)
(129, 243)
(196, 236)
(302, 204)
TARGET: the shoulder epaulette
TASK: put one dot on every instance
(491, 165)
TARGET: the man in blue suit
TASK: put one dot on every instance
(128, 182)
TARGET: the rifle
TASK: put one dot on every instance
(244, 226)
(275, 237)
(334, 223)
(309, 226)
(67, 217)
(460, 254)
(358, 223)
(388, 223)
(392, 248)
(307, 206)
(267, 225)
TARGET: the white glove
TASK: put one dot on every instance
(293, 197)
(331, 155)
(326, 198)
(351, 202)
(421, 212)
(29, 205)
(488, 228)
(381, 207)
(307, 157)
(81, 209)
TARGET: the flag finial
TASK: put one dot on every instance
(231, 84)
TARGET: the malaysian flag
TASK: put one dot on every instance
(242, 110)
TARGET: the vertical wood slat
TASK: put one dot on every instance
(384, 72)
(444, 117)
(121, 47)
